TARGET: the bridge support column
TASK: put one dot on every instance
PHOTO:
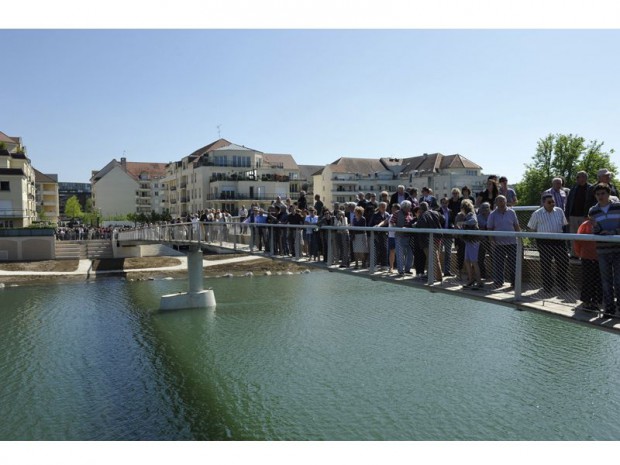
(197, 297)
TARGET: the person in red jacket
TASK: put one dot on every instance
(591, 290)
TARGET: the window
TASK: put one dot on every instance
(5, 186)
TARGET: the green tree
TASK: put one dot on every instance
(560, 155)
(594, 159)
(133, 217)
(72, 208)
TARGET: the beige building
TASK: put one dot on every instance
(442, 173)
(123, 187)
(48, 204)
(224, 175)
(17, 185)
(341, 180)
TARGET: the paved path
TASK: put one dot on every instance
(85, 267)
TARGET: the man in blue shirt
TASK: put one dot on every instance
(504, 248)
(606, 217)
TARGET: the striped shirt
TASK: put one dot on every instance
(548, 222)
(606, 219)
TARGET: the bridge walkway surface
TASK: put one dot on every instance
(527, 294)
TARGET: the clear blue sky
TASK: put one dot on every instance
(80, 98)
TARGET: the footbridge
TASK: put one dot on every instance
(524, 270)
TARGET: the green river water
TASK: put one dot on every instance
(318, 356)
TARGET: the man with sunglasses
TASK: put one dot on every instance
(606, 217)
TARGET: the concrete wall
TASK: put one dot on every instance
(27, 248)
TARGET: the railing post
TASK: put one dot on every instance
(298, 236)
(271, 230)
(252, 235)
(518, 269)
(431, 260)
(330, 249)
(235, 236)
(371, 247)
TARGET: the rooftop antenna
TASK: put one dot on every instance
(219, 136)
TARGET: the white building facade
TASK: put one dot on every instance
(225, 176)
(341, 180)
(17, 185)
(121, 188)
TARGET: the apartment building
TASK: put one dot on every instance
(224, 175)
(47, 198)
(341, 180)
(442, 172)
(17, 184)
(123, 187)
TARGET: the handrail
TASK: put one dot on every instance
(452, 232)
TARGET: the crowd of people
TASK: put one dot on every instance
(83, 233)
(585, 208)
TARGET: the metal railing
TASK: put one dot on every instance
(542, 270)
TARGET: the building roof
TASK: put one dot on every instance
(287, 161)
(154, 170)
(43, 178)
(307, 171)
(234, 147)
(434, 162)
(212, 146)
(133, 169)
(357, 165)
(5, 138)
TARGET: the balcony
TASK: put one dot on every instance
(173, 188)
(340, 180)
(183, 185)
(6, 213)
(345, 189)
(184, 199)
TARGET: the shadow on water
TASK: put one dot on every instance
(175, 339)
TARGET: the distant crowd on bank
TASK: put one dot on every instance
(83, 233)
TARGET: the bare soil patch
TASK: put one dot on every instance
(133, 263)
(61, 266)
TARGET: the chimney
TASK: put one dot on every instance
(123, 162)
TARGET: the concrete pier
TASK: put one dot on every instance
(197, 297)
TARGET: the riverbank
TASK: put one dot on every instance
(139, 268)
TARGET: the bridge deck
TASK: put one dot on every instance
(567, 306)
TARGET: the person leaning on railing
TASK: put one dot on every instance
(606, 217)
(472, 246)
(483, 216)
(430, 219)
(342, 239)
(591, 291)
(504, 248)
